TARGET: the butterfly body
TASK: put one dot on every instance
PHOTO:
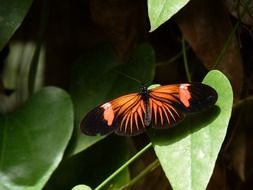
(144, 93)
(161, 107)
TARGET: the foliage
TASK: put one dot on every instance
(33, 139)
(94, 51)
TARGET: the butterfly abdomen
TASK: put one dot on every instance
(144, 92)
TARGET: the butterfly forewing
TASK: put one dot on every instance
(124, 115)
(169, 104)
(95, 122)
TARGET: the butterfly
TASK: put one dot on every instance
(159, 107)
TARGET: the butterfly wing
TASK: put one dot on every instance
(123, 115)
(130, 115)
(169, 104)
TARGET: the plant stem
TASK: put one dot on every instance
(123, 166)
(230, 37)
(171, 60)
(227, 43)
(148, 169)
(186, 66)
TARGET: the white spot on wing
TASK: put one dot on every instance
(184, 86)
(106, 105)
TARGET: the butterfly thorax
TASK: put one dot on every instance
(144, 92)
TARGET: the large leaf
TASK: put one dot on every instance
(33, 139)
(12, 13)
(96, 79)
(88, 168)
(188, 153)
(160, 11)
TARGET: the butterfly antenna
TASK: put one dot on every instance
(130, 77)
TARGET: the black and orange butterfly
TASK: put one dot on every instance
(160, 107)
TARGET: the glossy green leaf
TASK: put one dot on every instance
(81, 187)
(99, 77)
(12, 13)
(33, 139)
(159, 11)
(188, 152)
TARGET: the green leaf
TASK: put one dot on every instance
(12, 13)
(159, 11)
(88, 168)
(188, 152)
(81, 187)
(96, 79)
(33, 139)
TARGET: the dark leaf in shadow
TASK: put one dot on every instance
(206, 27)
